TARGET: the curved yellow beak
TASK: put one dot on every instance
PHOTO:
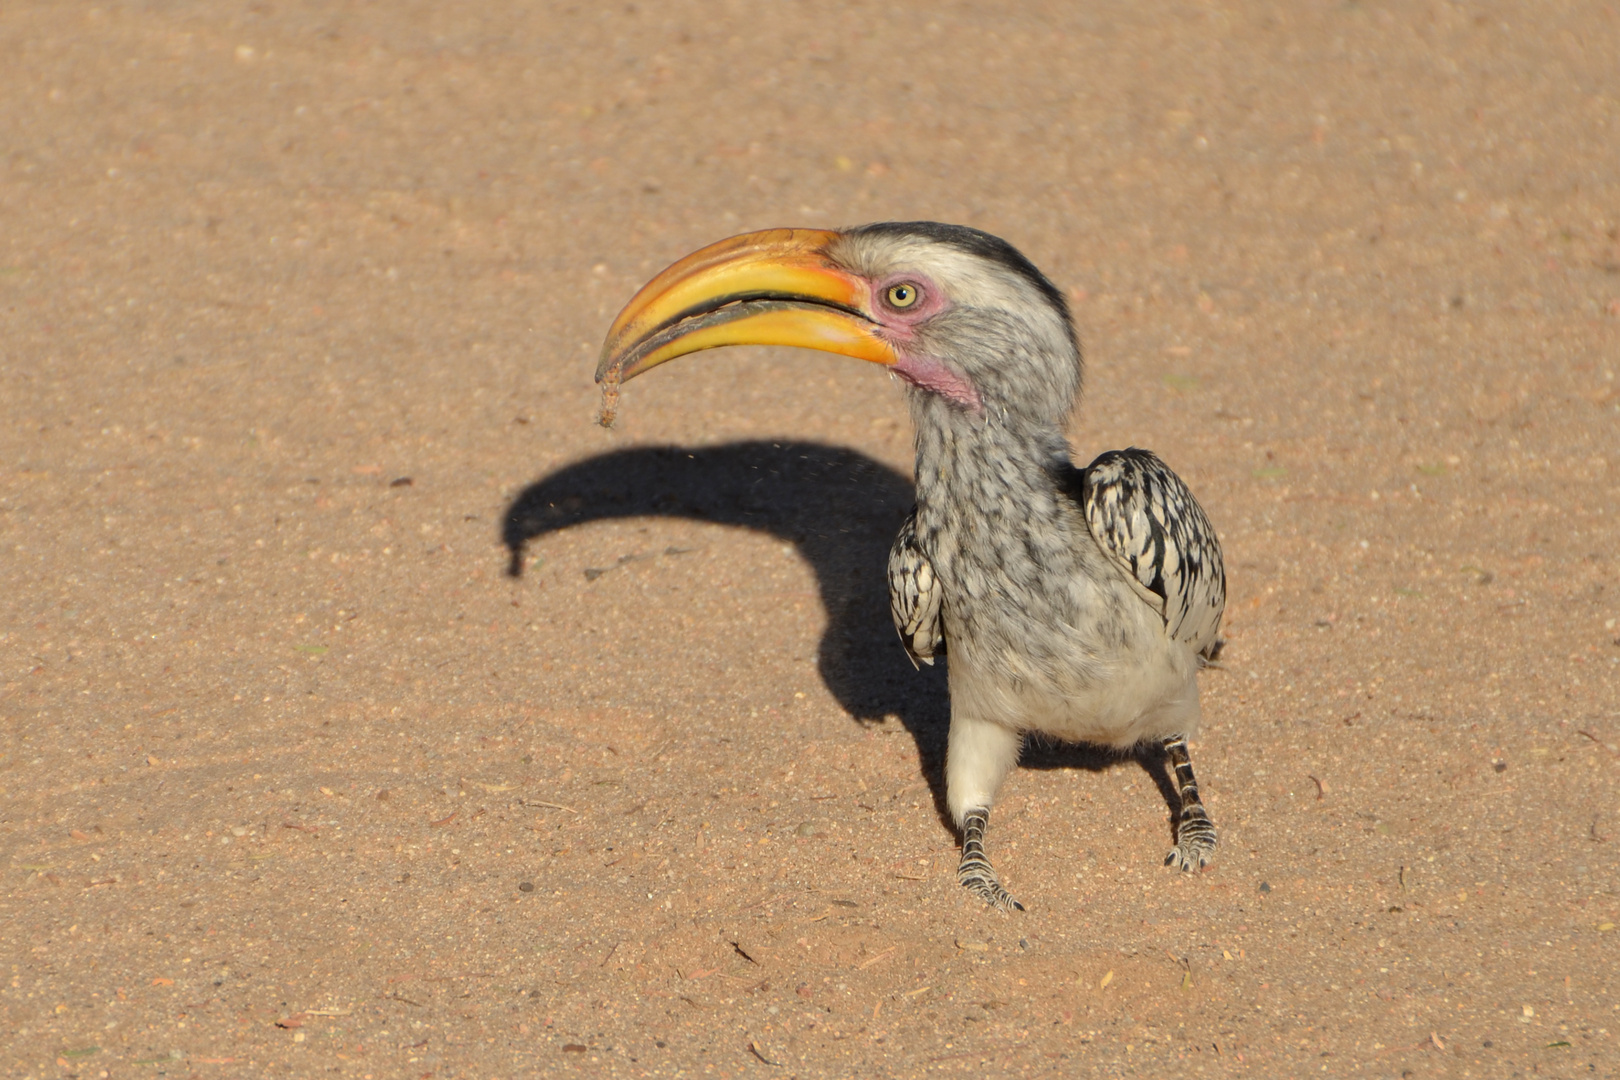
(775, 287)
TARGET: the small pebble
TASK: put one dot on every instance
(525, 886)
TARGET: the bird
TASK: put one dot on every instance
(1078, 604)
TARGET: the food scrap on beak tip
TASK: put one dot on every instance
(609, 412)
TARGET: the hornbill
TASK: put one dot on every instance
(1079, 604)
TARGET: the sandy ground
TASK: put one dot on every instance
(299, 304)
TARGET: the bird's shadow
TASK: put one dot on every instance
(841, 509)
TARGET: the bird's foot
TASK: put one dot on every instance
(1195, 842)
(986, 887)
(1195, 833)
(975, 872)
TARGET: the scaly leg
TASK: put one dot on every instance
(975, 872)
(1195, 833)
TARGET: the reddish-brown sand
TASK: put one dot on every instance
(299, 305)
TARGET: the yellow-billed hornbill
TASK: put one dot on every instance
(1076, 603)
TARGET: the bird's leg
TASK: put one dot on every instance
(974, 871)
(978, 757)
(1195, 833)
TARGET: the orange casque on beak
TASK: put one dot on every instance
(774, 287)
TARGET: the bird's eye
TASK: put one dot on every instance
(902, 295)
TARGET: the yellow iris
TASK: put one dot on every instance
(902, 295)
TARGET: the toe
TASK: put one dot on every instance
(992, 893)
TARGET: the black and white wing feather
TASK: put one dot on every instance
(1145, 518)
(914, 596)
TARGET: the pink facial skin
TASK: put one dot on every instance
(931, 375)
(923, 372)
